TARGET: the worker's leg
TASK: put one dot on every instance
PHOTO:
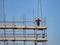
(38, 23)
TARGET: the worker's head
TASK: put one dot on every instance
(38, 18)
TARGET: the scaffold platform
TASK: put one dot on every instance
(23, 27)
(24, 39)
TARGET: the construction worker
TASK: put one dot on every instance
(38, 21)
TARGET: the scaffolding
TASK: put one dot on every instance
(38, 34)
(10, 31)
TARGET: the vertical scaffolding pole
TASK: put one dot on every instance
(38, 9)
(24, 23)
(24, 20)
(42, 37)
(45, 32)
(4, 36)
(33, 17)
(35, 42)
(41, 11)
(7, 42)
(35, 32)
(4, 17)
(24, 36)
(13, 30)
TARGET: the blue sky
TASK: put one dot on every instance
(51, 9)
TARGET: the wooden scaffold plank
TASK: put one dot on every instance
(23, 27)
(24, 39)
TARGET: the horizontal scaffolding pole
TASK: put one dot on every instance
(23, 27)
(24, 39)
(16, 21)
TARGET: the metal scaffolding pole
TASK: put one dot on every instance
(13, 30)
(24, 23)
(36, 37)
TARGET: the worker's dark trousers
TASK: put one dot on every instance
(38, 23)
